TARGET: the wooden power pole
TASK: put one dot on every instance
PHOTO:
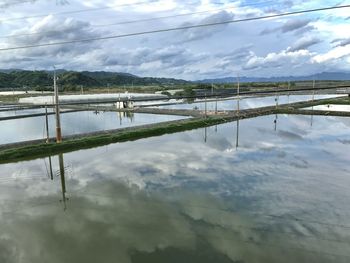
(47, 126)
(57, 108)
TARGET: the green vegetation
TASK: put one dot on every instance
(345, 100)
(71, 80)
(5, 80)
(24, 79)
(186, 92)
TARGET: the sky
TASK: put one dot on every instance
(295, 45)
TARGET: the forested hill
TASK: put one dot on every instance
(38, 79)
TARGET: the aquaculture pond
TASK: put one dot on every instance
(246, 102)
(73, 123)
(331, 107)
(10, 112)
(276, 191)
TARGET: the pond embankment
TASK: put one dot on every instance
(39, 148)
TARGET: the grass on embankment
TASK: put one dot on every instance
(344, 100)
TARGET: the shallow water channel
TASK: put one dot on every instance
(73, 123)
(276, 191)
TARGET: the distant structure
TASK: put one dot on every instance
(124, 104)
(93, 98)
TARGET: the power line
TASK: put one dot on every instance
(175, 28)
(77, 11)
(141, 20)
(108, 7)
(185, 14)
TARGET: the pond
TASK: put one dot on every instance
(247, 102)
(9, 112)
(73, 123)
(276, 191)
(330, 107)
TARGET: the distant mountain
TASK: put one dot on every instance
(9, 70)
(77, 79)
(71, 80)
(321, 76)
(5, 80)
(14, 78)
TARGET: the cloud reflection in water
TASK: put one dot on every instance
(178, 195)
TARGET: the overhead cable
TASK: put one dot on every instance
(175, 28)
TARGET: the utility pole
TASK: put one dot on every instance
(205, 104)
(313, 98)
(47, 126)
(288, 90)
(57, 108)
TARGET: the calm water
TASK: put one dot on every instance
(247, 103)
(22, 112)
(278, 194)
(330, 107)
(73, 123)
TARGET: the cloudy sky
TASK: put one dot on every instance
(294, 45)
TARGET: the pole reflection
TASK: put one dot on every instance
(50, 167)
(275, 122)
(63, 181)
(237, 135)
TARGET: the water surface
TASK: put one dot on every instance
(10, 113)
(330, 107)
(74, 123)
(247, 102)
(280, 193)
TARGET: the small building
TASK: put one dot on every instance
(124, 104)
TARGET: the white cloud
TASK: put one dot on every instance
(289, 26)
(190, 54)
(336, 53)
(304, 43)
(283, 58)
(9, 3)
(205, 32)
